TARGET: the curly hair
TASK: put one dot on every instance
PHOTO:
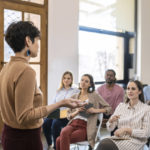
(113, 71)
(18, 31)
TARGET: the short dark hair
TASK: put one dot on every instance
(140, 87)
(91, 89)
(113, 71)
(18, 31)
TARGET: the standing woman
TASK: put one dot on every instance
(83, 127)
(132, 119)
(20, 98)
(52, 127)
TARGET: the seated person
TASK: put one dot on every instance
(133, 121)
(52, 127)
(112, 93)
(146, 91)
(82, 125)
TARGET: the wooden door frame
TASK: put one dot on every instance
(41, 10)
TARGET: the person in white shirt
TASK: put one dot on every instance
(52, 127)
(132, 119)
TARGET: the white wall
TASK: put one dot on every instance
(62, 42)
(143, 61)
(125, 15)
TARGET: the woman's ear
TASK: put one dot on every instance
(28, 41)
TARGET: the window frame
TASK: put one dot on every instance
(127, 56)
(41, 10)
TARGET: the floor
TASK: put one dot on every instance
(104, 134)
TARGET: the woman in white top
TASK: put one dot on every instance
(82, 124)
(52, 127)
(132, 119)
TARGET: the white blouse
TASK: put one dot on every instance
(138, 119)
(81, 117)
(64, 93)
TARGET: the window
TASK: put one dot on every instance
(100, 55)
(106, 30)
(112, 15)
(17, 10)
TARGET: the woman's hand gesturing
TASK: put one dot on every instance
(114, 118)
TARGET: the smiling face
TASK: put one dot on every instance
(132, 91)
(67, 80)
(85, 83)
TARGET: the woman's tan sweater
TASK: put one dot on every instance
(98, 102)
(20, 98)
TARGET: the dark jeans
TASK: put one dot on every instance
(57, 125)
(107, 144)
(47, 130)
(52, 128)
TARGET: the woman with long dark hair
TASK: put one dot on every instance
(132, 119)
(82, 125)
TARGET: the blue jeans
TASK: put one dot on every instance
(47, 130)
(52, 128)
(57, 125)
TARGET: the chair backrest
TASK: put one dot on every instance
(98, 135)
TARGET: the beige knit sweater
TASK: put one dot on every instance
(98, 102)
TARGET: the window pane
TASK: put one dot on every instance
(36, 19)
(102, 53)
(7, 52)
(11, 16)
(116, 15)
(35, 1)
(37, 70)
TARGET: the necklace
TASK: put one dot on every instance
(83, 97)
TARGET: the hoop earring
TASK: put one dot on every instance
(90, 89)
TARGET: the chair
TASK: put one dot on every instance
(75, 146)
